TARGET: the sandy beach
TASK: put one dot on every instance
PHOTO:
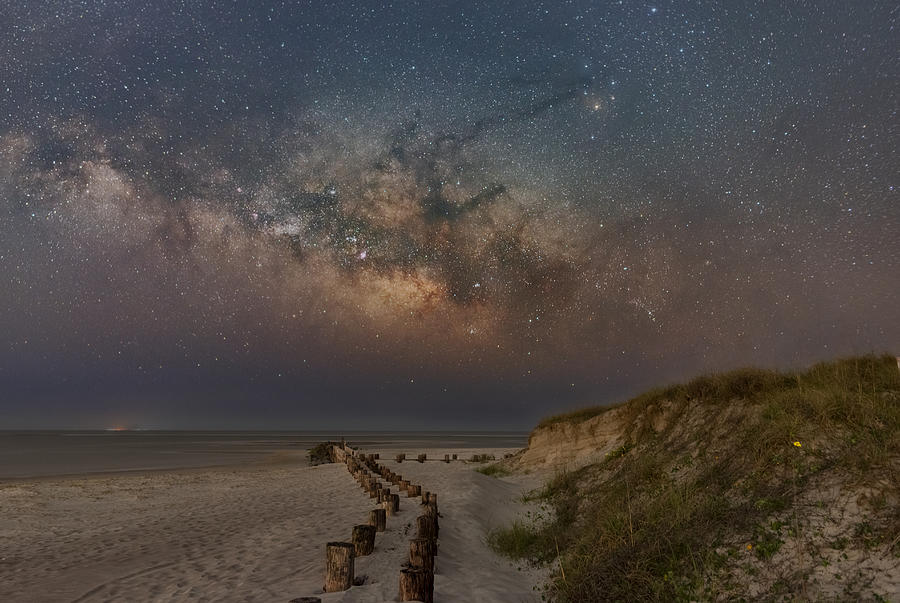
(255, 532)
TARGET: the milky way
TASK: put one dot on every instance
(433, 214)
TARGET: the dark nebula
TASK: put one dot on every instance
(433, 214)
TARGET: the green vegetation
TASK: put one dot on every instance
(577, 416)
(708, 480)
(519, 541)
(495, 470)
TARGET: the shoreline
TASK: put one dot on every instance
(53, 454)
(138, 471)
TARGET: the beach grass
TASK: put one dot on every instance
(672, 514)
(494, 470)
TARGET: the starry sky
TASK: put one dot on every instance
(433, 215)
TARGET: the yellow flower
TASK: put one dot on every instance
(749, 547)
(798, 444)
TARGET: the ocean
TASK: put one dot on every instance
(51, 453)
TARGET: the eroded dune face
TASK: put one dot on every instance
(570, 445)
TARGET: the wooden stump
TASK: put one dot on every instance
(426, 527)
(421, 553)
(391, 504)
(388, 508)
(363, 540)
(377, 519)
(416, 584)
(425, 497)
(431, 511)
(414, 490)
(403, 484)
(338, 566)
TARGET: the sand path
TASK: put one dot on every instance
(241, 534)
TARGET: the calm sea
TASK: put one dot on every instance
(45, 453)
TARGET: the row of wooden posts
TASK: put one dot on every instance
(422, 458)
(416, 575)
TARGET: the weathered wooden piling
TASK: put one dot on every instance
(455, 457)
(446, 458)
(426, 527)
(414, 490)
(391, 504)
(338, 566)
(377, 519)
(416, 584)
(431, 511)
(421, 458)
(421, 553)
(363, 540)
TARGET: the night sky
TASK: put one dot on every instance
(434, 214)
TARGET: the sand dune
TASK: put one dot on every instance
(252, 533)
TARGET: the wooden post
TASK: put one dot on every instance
(454, 457)
(431, 511)
(377, 456)
(425, 527)
(432, 499)
(416, 584)
(338, 566)
(446, 458)
(425, 496)
(377, 519)
(422, 458)
(391, 504)
(403, 484)
(388, 507)
(421, 553)
(399, 458)
(414, 490)
(363, 540)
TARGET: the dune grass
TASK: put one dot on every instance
(495, 470)
(658, 520)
